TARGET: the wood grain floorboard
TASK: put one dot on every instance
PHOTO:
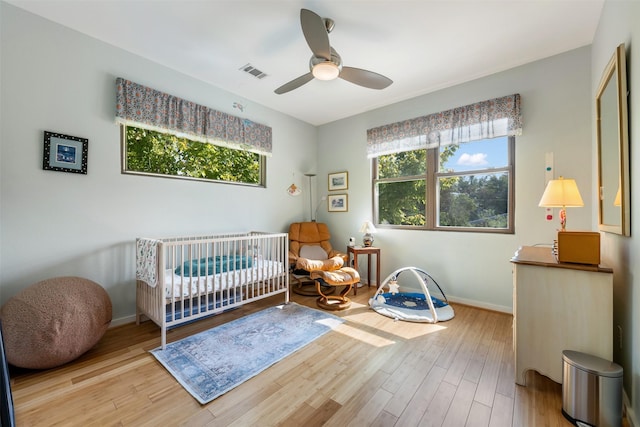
(370, 371)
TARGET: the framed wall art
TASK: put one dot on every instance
(337, 203)
(64, 153)
(338, 181)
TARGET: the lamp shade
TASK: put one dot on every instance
(618, 200)
(561, 193)
(368, 227)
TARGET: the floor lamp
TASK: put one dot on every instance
(310, 175)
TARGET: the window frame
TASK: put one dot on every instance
(125, 171)
(431, 178)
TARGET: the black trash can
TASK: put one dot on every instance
(591, 390)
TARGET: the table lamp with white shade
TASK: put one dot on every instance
(561, 193)
(368, 229)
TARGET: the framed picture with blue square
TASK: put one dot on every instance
(65, 153)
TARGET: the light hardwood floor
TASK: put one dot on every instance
(372, 371)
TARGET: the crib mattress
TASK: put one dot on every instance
(185, 286)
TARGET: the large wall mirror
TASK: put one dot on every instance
(614, 210)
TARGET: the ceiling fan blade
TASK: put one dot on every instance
(365, 78)
(315, 32)
(294, 84)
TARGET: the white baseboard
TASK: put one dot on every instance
(481, 304)
(465, 301)
(631, 416)
(122, 321)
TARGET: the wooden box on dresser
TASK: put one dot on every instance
(556, 307)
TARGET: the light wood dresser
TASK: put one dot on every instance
(556, 307)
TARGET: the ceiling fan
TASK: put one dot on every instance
(325, 63)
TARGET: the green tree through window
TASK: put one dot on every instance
(157, 153)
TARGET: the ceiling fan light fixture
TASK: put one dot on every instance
(325, 63)
(325, 71)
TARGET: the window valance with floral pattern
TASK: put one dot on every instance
(140, 106)
(486, 119)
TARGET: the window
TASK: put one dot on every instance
(451, 170)
(462, 187)
(169, 136)
(154, 153)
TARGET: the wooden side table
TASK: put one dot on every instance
(364, 250)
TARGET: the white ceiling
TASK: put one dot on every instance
(422, 46)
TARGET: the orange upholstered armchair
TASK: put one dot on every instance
(318, 268)
(310, 248)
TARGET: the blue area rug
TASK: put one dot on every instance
(213, 362)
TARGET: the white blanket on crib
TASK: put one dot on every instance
(146, 261)
(185, 286)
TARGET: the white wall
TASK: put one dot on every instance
(620, 23)
(475, 267)
(55, 223)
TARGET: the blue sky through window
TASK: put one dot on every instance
(483, 154)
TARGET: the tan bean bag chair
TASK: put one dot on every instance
(54, 321)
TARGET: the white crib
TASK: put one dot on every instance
(183, 279)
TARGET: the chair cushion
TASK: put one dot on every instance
(314, 252)
(309, 232)
(314, 257)
(343, 276)
(309, 247)
(325, 265)
(302, 234)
